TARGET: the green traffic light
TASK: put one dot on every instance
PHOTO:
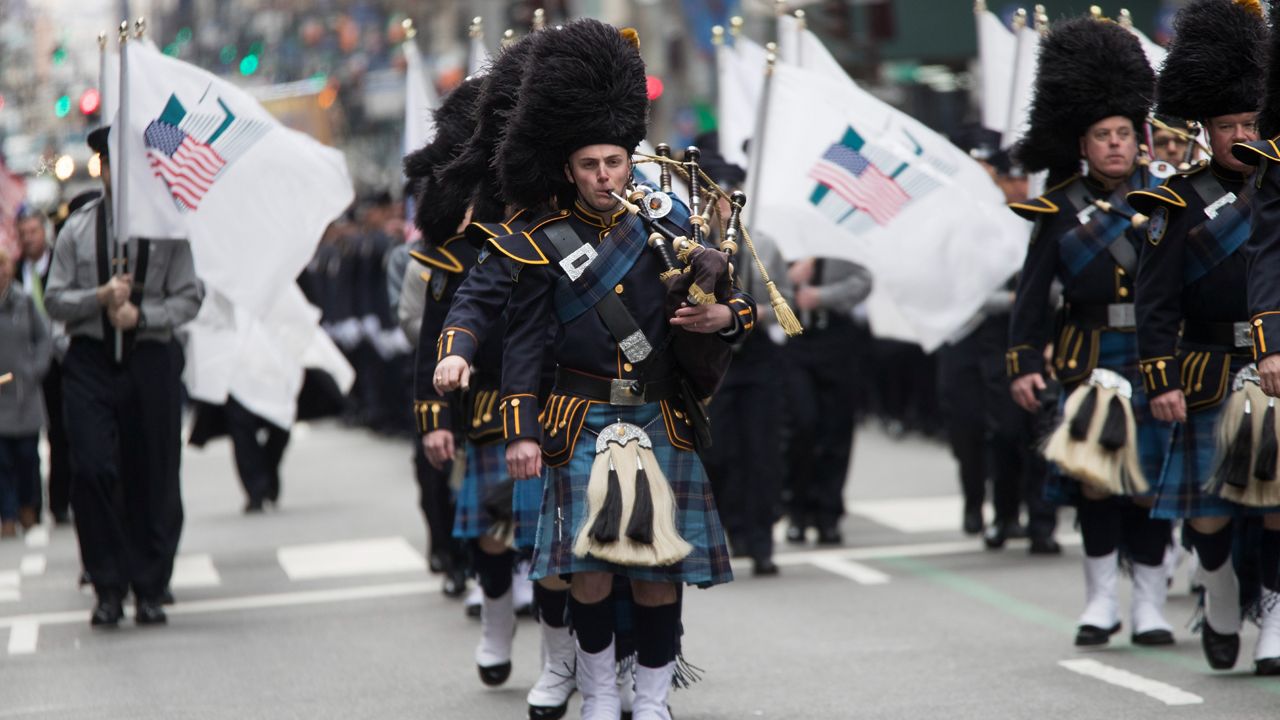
(249, 65)
(171, 49)
(59, 55)
(227, 54)
(184, 36)
(63, 107)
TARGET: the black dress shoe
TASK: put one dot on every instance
(107, 612)
(1044, 546)
(1152, 637)
(455, 584)
(1015, 530)
(830, 535)
(1220, 650)
(436, 563)
(150, 612)
(795, 534)
(253, 506)
(1092, 635)
(764, 567)
(972, 522)
(494, 674)
(1267, 666)
(994, 537)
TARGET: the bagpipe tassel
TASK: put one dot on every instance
(787, 319)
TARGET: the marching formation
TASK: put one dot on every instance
(1167, 296)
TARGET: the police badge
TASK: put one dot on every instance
(1157, 225)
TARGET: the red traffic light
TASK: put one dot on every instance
(89, 101)
(654, 87)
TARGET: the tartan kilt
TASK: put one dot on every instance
(486, 468)
(1118, 351)
(564, 509)
(526, 504)
(1191, 460)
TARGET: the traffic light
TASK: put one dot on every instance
(89, 101)
(63, 106)
(59, 55)
(249, 65)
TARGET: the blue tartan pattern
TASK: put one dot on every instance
(1192, 457)
(526, 504)
(1118, 351)
(564, 508)
(1211, 242)
(1080, 245)
(617, 255)
(486, 467)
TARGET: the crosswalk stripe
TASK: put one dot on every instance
(194, 571)
(32, 564)
(1164, 692)
(23, 637)
(349, 559)
(913, 515)
(855, 571)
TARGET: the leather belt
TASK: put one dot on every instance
(614, 391)
(1117, 316)
(1228, 335)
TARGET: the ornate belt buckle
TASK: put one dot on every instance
(623, 392)
(1121, 315)
(1242, 335)
(576, 262)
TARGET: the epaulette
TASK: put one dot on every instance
(479, 233)
(1253, 153)
(1034, 208)
(1146, 201)
(521, 246)
(438, 256)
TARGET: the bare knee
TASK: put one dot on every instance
(653, 594)
(591, 587)
(490, 545)
(1272, 521)
(1214, 525)
(554, 583)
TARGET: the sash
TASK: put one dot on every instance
(1214, 240)
(1098, 229)
(614, 258)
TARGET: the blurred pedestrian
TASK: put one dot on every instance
(24, 352)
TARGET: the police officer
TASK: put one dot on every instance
(121, 302)
(1092, 93)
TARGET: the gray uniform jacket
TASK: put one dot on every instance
(170, 297)
(25, 349)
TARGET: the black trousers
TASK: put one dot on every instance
(123, 426)
(59, 450)
(259, 447)
(437, 503)
(822, 387)
(744, 462)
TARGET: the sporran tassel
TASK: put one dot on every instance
(1114, 434)
(640, 525)
(609, 520)
(1234, 471)
(1265, 466)
(1080, 422)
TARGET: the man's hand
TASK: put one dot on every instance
(451, 373)
(1269, 371)
(114, 292)
(1170, 406)
(709, 318)
(124, 317)
(801, 271)
(524, 459)
(808, 297)
(1026, 391)
(438, 444)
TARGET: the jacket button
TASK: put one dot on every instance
(626, 367)
(618, 288)
(1124, 292)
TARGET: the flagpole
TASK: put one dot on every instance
(1019, 22)
(119, 187)
(757, 137)
(799, 41)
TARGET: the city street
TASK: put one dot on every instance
(324, 609)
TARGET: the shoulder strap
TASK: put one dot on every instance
(615, 316)
(104, 262)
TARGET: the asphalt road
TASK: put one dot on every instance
(323, 609)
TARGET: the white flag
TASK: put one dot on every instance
(997, 50)
(420, 99)
(478, 58)
(800, 47)
(196, 157)
(1155, 54)
(846, 176)
(1024, 79)
(740, 70)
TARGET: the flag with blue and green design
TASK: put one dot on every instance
(189, 151)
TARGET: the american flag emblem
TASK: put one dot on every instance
(862, 185)
(190, 151)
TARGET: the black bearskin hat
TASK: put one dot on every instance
(472, 173)
(438, 214)
(585, 85)
(1088, 70)
(1216, 62)
(1269, 115)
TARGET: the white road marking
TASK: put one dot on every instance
(855, 571)
(10, 579)
(194, 571)
(1164, 692)
(23, 637)
(913, 515)
(32, 564)
(350, 558)
(37, 537)
(10, 595)
(879, 552)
